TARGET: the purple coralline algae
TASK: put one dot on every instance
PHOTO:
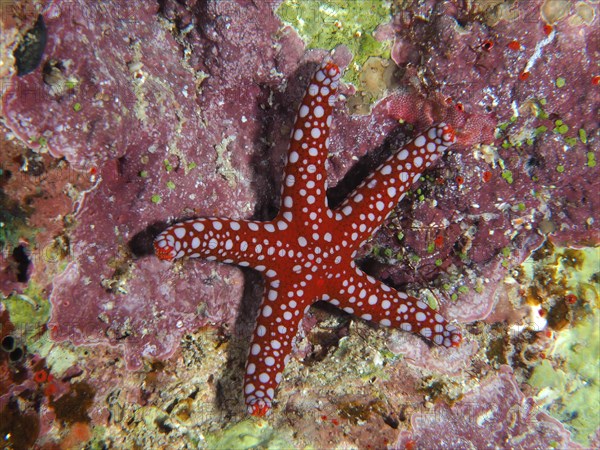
(177, 110)
(491, 206)
(496, 415)
(167, 137)
(163, 140)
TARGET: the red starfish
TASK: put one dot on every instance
(306, 253)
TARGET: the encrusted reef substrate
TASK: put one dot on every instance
(137, 111)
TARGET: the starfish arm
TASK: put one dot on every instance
(305, 178)
(240, 242)
(276, 326)
(372, 201)
(372, 300)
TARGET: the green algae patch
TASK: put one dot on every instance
(28, 311)
(564, 270)
(507, 176)
(573, 385)
(250, 433)
(329, 23)
(568, 380)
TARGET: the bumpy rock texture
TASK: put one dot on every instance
(183, 109)
(147, 120)
(496, 415)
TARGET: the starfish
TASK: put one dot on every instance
(306, 252)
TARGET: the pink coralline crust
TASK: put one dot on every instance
(125, 127)
(36, 189)
(143, 110)
(423, 112)
(474, 305)
(451, 42)
(449, 73)
(235, 127)
(417, 353)
(497, 414)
